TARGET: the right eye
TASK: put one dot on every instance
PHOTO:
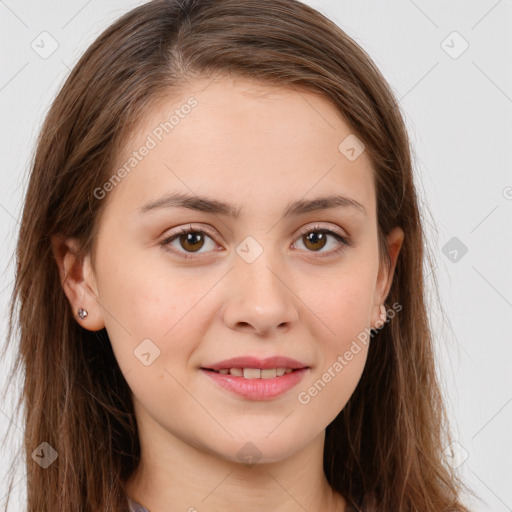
(190, 239)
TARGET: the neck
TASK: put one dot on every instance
(173, 475)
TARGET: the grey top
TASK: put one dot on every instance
(136, 507)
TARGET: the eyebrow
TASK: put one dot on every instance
(207, 205)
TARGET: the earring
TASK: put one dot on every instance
(82, 313)
(383, 313)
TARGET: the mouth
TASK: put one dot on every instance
(256, 384)
(255, 373)
(256, 378)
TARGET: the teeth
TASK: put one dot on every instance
(256, 373)
(252, 373)
(269, 373)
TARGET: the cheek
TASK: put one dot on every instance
(343, 305)
(342, 348)
(140, 304)
(330, 388)
(343, 302)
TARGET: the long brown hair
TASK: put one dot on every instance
(384, 450)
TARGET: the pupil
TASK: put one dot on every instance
(192, 239)
(314, 238)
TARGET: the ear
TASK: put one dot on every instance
(394, 240)
(77, 281)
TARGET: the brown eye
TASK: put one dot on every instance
(192, 241)
(188, 241)
(315, 240)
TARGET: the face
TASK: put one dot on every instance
(243, 268)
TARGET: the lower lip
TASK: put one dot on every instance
(258, 389)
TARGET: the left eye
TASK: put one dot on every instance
(193, 240)
(317, 238)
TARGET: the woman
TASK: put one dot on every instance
(220, 276)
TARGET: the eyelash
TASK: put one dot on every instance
(344, 241)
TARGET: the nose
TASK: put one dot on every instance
(259, 300)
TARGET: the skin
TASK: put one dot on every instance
(258, 147)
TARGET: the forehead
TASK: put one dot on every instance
(242, 141)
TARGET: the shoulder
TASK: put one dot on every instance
(136, 507)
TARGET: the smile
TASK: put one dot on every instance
(255, 383)
(255, 373)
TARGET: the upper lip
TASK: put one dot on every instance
(256, 362)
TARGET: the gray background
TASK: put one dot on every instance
(458, 107)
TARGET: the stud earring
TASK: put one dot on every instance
(82, 313)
